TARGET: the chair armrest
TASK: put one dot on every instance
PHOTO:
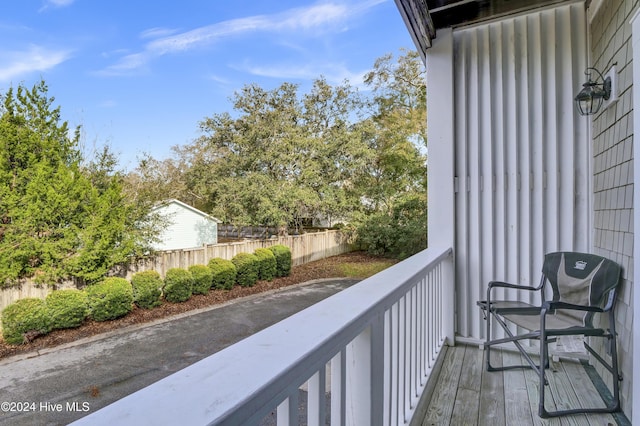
(502, 284)
(550, 305)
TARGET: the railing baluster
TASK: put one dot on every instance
(420, 305)
(377, 370)
(423, 336)
(412, 348)
(338, 389)
(358, 372)
(394, 326)
(416, 347)
(287, 413)
(437, 318)
(423, 330)
(428, 315)
(388, 391)
(316, 398)
(408, 380)
(402, 344)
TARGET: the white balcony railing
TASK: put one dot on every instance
(364, 354)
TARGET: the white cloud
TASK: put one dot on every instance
(126, 65)
(114, 53)
(315, 19)
(205, 35)
(34, 59)
(60, 3)
(333, 73)
(220, 80)
(55, 4)
(304, 18)
(312, 17)
(157, 32)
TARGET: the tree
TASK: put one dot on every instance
(154, 181)
(58, 218)
(282, 159)
(340, 153)
(394, 183)
(333, 153)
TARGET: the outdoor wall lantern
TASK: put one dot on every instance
(593, 94)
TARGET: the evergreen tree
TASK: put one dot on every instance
(58, 219)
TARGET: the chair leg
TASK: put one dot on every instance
(487, 345)
(488, 314)
(615, 406)
(544, 362)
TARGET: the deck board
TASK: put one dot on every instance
(533, 388)
(467, 394)
(516, 394)
(468, 397)
(442, 402)
(491, 410)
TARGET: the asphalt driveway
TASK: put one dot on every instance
(67, 383)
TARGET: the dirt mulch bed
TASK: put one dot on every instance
(325, 268)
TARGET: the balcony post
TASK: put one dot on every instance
(441, 174)
(440, 108)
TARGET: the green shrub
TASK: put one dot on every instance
(67, 308)
(202, 279)
(147, 289)
(178, 285)
(224, 273)
(24, 316)
(267, 264)
(110, 299)
(283, 260)
(247, 266)
(399, 233)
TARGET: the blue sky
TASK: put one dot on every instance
(140, 75)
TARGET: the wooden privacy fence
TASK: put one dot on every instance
(304, 248)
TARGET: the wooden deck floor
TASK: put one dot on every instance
(466, 394)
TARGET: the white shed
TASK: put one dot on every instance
(188, 227)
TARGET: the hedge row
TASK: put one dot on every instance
(114, 297)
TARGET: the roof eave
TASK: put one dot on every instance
(415, 14)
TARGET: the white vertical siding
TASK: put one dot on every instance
(521, 150)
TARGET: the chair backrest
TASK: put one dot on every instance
(582, 279)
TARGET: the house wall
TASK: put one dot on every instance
(187, 229)
(499, 171)
(612, 146)
(521, 165)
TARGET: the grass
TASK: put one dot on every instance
(364, 270)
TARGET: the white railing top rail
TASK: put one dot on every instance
(244, 382)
